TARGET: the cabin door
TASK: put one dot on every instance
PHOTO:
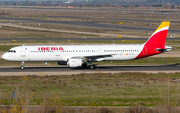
(23, 51)
(99, 51)
(57, 53)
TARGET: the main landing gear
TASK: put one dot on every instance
(84, 65)
(92, 66)
(22, 65)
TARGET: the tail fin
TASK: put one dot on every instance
(159, 36)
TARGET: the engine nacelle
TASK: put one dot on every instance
(62, 63)
(74, 62)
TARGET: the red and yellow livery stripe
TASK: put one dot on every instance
(156, 41)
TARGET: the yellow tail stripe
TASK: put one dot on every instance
(163, 24)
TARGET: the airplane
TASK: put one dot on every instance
(84, 55)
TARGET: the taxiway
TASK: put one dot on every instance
(99, 69)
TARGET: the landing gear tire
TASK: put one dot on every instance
(84, 65)
(22, 67)
(92, 67)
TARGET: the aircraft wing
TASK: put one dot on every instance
(94, 56)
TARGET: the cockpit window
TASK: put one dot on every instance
(11, 51)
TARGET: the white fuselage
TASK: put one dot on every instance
(65, 52)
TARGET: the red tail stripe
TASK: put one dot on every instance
(156, 41)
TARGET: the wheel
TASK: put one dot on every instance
(22, 67)
(91, 67)
(84, 65)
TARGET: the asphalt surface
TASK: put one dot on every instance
(174, 67)
(81, 39)
(102, 25)
(132, 20)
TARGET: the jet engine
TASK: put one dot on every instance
(74, 62)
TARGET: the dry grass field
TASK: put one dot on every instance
(10, 32)
(160, 91)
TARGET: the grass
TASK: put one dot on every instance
(10, 32)
(120, 89)
(6, 47)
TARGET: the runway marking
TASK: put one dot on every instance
(41, 73)
(168, 56)
(99, 71)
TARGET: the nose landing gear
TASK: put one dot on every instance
(22, 66)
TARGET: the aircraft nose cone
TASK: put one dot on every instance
(4, 56)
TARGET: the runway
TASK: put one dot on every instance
(99, 69)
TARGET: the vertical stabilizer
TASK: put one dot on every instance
(159, 36)
(156, 43)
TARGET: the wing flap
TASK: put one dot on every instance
(93, 56)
